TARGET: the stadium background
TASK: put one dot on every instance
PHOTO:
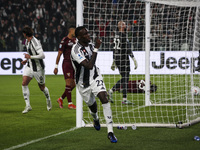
(49, 20)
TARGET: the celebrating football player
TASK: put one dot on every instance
(89, 81)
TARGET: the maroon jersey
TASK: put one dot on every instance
(66, 46)
(137, 86)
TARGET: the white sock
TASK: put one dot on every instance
(94, 115)
(108, 116)
(26, 94)
(46, 93)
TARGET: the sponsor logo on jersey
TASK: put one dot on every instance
(70, 43)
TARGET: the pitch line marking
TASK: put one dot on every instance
(40, 139)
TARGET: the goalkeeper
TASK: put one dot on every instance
(121, 53)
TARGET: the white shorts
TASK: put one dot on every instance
(89, 93)
(39, 75)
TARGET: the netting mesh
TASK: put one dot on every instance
(173, 57)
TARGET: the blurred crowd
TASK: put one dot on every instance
(172, 27)
(48, 18)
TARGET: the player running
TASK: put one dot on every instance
(68, 71)
(34, 68)
(121, 61)
(89, 80)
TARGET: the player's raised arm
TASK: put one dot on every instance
(97, 44)
(83, 37)
(89, 64)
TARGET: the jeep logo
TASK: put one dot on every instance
(15, 64)
(173, 63)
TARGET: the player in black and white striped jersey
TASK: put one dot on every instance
(88, 78)
(34, 68)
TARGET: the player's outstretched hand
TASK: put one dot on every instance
(135, 62)
(97, 43)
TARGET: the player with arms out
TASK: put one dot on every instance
(121, 61)
(89, 81)
(34, 68)
(68, 70)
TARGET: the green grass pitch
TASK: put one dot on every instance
(17, 128)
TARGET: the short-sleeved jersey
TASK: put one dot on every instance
(83, 75)
(121, 51)
(66, 47)
(34, 47)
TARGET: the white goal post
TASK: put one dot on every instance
(164, 36)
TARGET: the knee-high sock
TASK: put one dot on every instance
(94, 115)
(26, 94)
(46, 93)
(67, 93)
(108, 116)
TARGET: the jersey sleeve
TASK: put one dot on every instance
(130, 53)
(37, 46)
(77, 55)
(39, 56)
(62, 45)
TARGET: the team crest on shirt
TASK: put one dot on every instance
(68, 74)
(85, 52)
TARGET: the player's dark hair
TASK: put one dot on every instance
(78, 29)
(28, 31)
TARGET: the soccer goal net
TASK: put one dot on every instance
(164, 38)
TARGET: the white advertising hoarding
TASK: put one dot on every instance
(176, 62)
